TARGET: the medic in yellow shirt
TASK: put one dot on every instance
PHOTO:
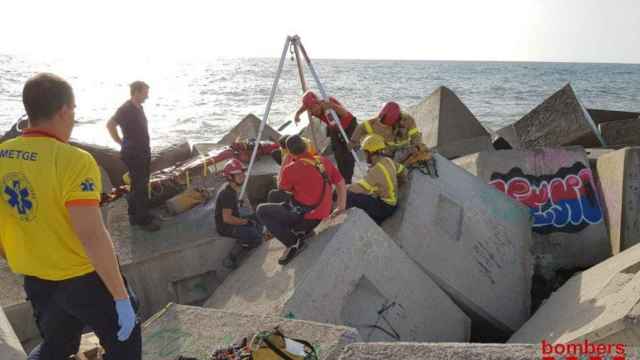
(51, 231)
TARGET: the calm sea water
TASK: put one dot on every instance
(201, 100)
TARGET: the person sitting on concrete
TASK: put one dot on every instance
(377, 193)
(398, 129)
(304, 198)
(229, 222)
(321, 109)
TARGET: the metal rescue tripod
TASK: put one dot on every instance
(293, 42)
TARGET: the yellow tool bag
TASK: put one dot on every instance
(268, 345)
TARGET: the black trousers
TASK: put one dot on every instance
(344, 159)
(63, 308)
(281, 221)
(138, 198)
(377, 209)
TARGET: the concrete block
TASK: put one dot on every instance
(560, 120)
(430, 351)
(351, 274)
(10, 347)
(194, 331)
(621, 132)
(180, 263)
(16, 307)
(557, 186)
(458, 216)
(448, 126)
(619, 180)
(601, 305)
(603, 116)
(247, 128)
(170, 156)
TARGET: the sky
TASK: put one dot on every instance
(495, 30)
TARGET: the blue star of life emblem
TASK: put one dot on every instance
(88, 185)
(19, 195)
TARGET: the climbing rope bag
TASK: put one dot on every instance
(267, 345)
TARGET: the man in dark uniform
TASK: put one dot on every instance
(135, 153)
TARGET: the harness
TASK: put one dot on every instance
(301, 209)
(396, 133)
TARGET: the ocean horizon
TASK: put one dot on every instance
(200, 100)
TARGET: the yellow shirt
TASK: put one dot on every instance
(39, 177)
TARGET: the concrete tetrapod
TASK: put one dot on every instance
(448, 126)
(619, 180)
(558, 187)
(472, 240)
(196, 332)
(351, 274)
(622, 132)
(10, 347)
(600, 305)
(182, 262)
(247, 128)
(560, 120)
(425, 351)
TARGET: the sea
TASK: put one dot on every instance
(200, 100)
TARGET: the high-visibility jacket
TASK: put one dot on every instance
(405, 132)
(381, 181)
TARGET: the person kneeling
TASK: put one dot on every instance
(229, 222)
(377, 193)
(303, 198)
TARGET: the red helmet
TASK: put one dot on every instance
(390, 113)
(232, 167)
(309, 99)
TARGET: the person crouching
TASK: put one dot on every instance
(245, 229)
(303, 199)
(377, 193)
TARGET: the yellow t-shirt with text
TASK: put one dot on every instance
(39, 177)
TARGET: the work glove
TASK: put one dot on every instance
(126, 318)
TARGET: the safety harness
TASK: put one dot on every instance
(301, 209)
(394, 144)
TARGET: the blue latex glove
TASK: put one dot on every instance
(126, 318)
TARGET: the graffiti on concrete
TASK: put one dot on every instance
(563, 202)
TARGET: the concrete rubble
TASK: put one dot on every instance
(458, 216)
(600, 305)
(430, 351)
(560, 120)
(351, 274)
(10, 347)
(557, 186)
(619, 180)
(247, 128)
(448, 126)
(196, 332)
(621, 132)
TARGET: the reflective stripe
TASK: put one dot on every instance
(413, 131)
(365, 185)
(392, 199)
(367, 127)
(400, 169)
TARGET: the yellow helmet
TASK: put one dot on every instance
(373, 143)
